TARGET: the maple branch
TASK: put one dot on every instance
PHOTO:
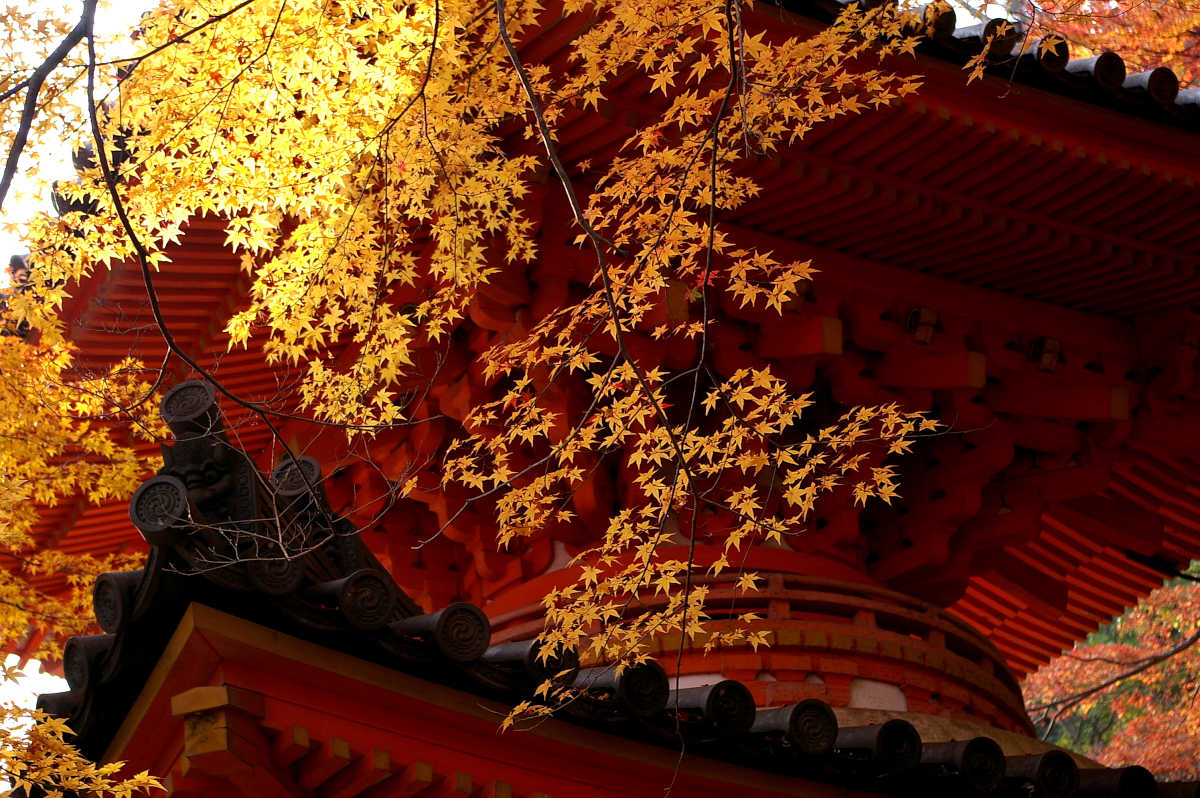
(1071, 700)
(135, 60)
(14, 89)
(708, 264)
(263, 412)
(598, 241)
(39, 613)
(159, 375)
(696, 370)
(33, 88)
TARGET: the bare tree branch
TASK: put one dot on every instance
(1146, 664)
(33, 88)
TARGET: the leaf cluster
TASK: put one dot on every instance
(1128, 695)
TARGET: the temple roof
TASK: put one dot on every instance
(266, 551)
(1103, 81)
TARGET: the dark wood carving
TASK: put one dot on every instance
(114, 597)
(725, 708)
(226, 523)
(1001, 43)
(642, 690)
(275, 571)
(460, 632)
(810, 726)
(82, 658)
(1107, 69)
(1053, 773)
(366, 598)
(159, 506)
(978, 761)
(525, 657)
(1053, 56)
(894, 746)
(61, 705)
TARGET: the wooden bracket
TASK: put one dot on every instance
(223, 739)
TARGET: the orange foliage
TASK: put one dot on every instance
(1152, 716)
(1146, 33)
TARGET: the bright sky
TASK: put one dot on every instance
(24, 691)
(114, 18)
(34, 682)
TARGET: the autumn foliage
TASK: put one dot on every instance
(36, 755)
(1146, 33)
(372, 163)
(1131, 693)
(363, 254)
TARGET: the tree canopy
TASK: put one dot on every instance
(362, 158)
(1128, 694)
(372, 162)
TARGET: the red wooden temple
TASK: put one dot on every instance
(1016, 257)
